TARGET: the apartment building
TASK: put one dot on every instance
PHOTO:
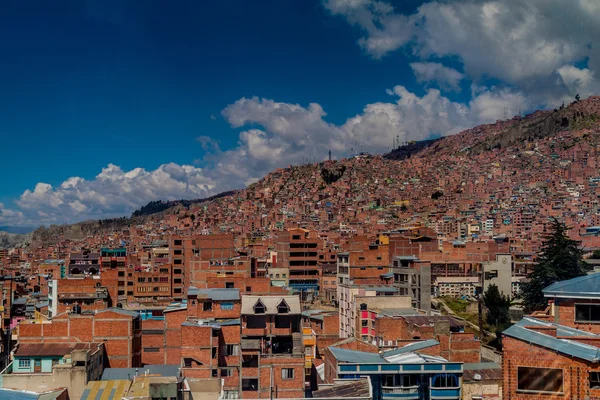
(298, 252)
(84, 263)
(456, 286)
(412, 277)
(273, 359)
(348, 304)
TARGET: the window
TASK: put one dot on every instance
(531, 379)
(178, 242)
(177, 261)
(151, 349)
(226, 372)
(445, 381)
(24, 363)
(259, 308)
(587, 312)
(227, 306)
(296, 237)
(187, 362)
(365, 322)
(215, 373)
(287, 373)
(250, 384)
(177, 290)
(231, 350)
(164, 270)
(594, 379)
(177, 252)
(177, 271)
(248, 288)
(229, 285)
(141, 280)
(231, 394)
(207, 306)
(283, 308)
(177, 280)
(121, 273)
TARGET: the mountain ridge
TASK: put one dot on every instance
(361, 178)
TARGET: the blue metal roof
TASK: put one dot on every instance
(583, 287)
(356, 357)
(564, 346)
(216, 294)
(411, 347)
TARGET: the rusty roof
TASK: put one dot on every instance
(52, 349)
(353, 389)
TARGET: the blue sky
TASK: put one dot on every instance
(102, 102)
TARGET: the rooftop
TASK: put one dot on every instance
(111, 374)
(583, 287)
(521, 330)
(52, 349)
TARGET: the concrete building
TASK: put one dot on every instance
(412, 277)
(456, 286)
(499, 273)
(348, 304)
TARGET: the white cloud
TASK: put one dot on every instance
(113, 192)
(288, 134)
(447, 78)
(524, 44)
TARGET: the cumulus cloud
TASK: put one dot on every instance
(278, 134)
(113, 192)
(529, 45)
(428, 72)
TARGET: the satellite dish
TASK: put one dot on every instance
(477, 377)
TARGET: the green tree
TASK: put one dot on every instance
(595, 255)
(497, 304)
(560, 258)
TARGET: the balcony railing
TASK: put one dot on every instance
(400, 390)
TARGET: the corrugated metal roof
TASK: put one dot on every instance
(106, 390)
(111, 374)
(52, 349)
(10, 394)
(353, 389)
(219, 294)
(565, 346)
(583, 287)
(411, 347)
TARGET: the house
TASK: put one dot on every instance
(406, 372)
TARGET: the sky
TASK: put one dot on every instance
(106, 105)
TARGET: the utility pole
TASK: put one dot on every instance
(480, 306)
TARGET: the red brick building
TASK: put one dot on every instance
(119, 330)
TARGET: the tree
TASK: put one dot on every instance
(595, 255)
(497, 304)
(560, 258)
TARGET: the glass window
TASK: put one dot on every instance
(445, 381)
(548, 380)
(587, 312)
(287, 373)
(24, 363)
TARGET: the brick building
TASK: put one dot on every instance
(118, 329)
(554, 353)
(298, 252)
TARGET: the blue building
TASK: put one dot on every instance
(400, 373)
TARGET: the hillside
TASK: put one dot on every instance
(492, 169)
(10, 240)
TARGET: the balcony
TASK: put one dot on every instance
(445, 393)
(406, 392)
